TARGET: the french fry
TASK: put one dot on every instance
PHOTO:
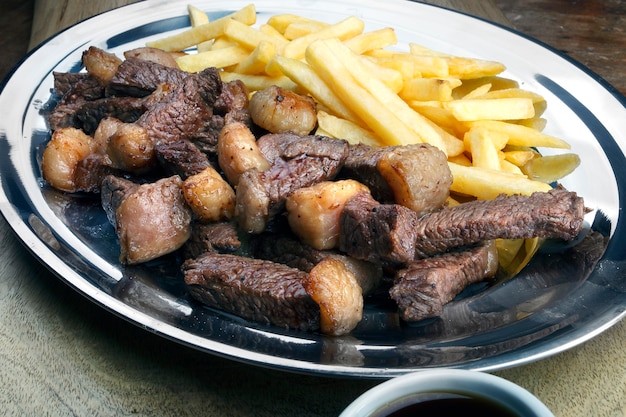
(468, 68)
(391, 78)
(426, 89)
(256, 62)
(421, 65)
(486, 184)
(417, 49)
(281, 22)
(491, 109)
(345, 129)
(484, 146)
(302, 28)
(477, 92)
(202, 33)
(434, 111)
(520, 157)
(258, 82)
(378, 117)
(550, 168)
(308, 79)
(249, 37)
(521, 135)
(368, 41)
(196, 16)
(422, 128)
(495, 82)
(271, 31)
(539, 103)
(343, 30)
(218, 58)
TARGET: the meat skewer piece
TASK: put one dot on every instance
(423, 288)
(298, 162)
(184, 111)
(220, 237)
(416, 176)
(150, 220)
(394, 234)
(290, 251)
(255, 289)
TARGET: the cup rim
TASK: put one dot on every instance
(458, 381)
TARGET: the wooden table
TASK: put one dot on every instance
(63, 355)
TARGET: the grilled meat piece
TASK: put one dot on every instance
(234, 97)
(181, 158)
(184, 110)
(287, 250)
(296, 162)
(361, 165)
(557, 214)
(218, 237)
(416, 176)
(137, 77)
(150, 220)
(77, 85)
(393, 234)
(255, 289)
(377, 232)
(91, 172)
(426, 285)
(127, 109)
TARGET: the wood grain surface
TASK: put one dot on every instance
(62, 355)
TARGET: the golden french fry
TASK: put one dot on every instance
(536, 123)
(202, 33)
(426, 89)
(367, 41)
(495, 82)
(550, 168)
(303, 28)
(423, 129)
(484, 147)
(507, 249)
(303, 75)
(491, 109)
(417, 49)
(487, 184)
(377, 116)
(477, 92)
(390, 77)
(248, 36)
(258, 82)
(281, 22)
(271, 31)
(344, 129)
(507, 166)
(421, 65)
(343, 30)
(256, 62)
(197, 16)
(468, 68)
(513, 262)
(219, 58)
(521, 135)
(434, 111)
(519, 157)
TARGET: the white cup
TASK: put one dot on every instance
(474, 388)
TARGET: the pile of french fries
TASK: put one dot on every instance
(369, 92)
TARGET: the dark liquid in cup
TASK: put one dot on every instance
(445, 404)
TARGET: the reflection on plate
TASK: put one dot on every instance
(565, 296)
